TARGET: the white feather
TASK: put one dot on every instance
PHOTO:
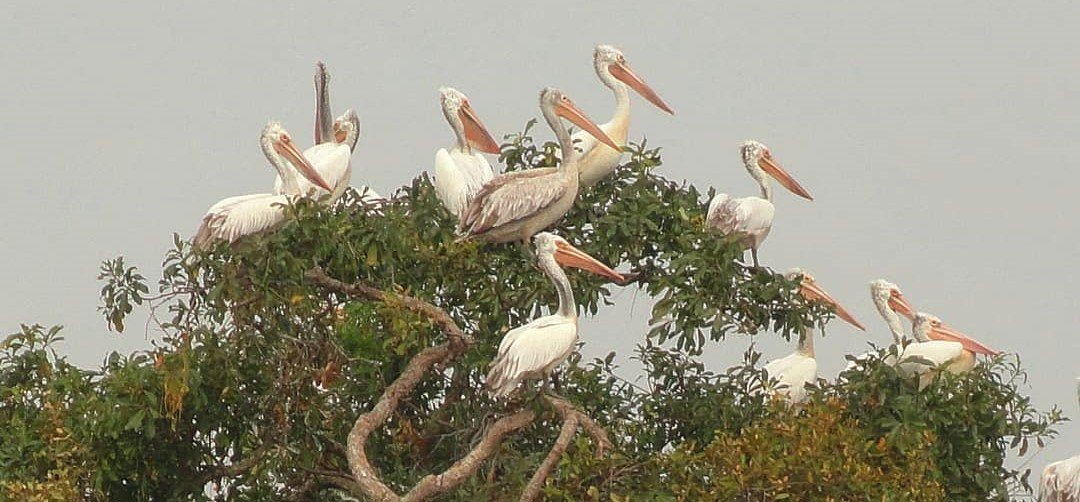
(748, 217)
(1061, 481)
(332, 161)
(791, 374)
(531, 351)
(459, 176)
(236, 217)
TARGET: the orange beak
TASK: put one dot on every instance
(287, 149)
(901, 305)
(770, 166)
(627, 76)
(811, 291)
(475, 133)
(568, 110)
(570, 256)
(942, 332)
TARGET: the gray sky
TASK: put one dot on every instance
(937, 140)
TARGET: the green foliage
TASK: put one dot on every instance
(259, 375)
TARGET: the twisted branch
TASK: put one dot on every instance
(367, 478)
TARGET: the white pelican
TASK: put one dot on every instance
(462, 170)
(796, 370)
(534, 350)
(334, 144)
(889, 300)
(1061, 480)
(751, 218)
(938, 347)
(514, 206)
(242, 215)
(598, 160)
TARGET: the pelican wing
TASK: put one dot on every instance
(748, 215)
(235, 217)
(1061, 481)
(527, 351)
(510, 197)
(451, 184)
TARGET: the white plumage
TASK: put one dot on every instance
(750, 218)
(793, 372)
(599, 160)
(534, 350)
(462, 170)
(334, 144)
(331, 160)
(515, 206)
(238, 216)
(938, 347)
(1061, 480)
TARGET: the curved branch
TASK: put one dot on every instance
(432, 485)
(365, 474)
(572, 418)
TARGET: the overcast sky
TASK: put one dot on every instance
(938, 140)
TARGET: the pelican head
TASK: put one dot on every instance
(810, 290)
(555, 103)
(347, 128)
(551, 246)
(611, 66)
(277, 144)
(465, 122)
(927, 327)
(759, 160)
(886, 293)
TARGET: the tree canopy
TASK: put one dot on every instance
(343, 356)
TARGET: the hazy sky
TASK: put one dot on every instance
(938, 140)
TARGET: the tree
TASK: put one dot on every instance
(344, 355)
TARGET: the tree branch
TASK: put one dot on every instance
(365, 474)
(572, 418)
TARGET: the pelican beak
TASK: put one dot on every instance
(287, 149)
(475, 133)
(901, 305)
(770, 166)
(942, 332)
(323, 120)
(627, 76)
(811, 291)
(569, 111)
(570, 256)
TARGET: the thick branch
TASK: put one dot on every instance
(432, 485)
(572, 418)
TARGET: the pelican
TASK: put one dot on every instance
(334, 144)
(235, 217)
(799, 368)
(461, 171)
(889, 300)
(750, 218)
(1061, 480)
(938, 347)
(598, 161)
(534, 350)
(514, 206)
